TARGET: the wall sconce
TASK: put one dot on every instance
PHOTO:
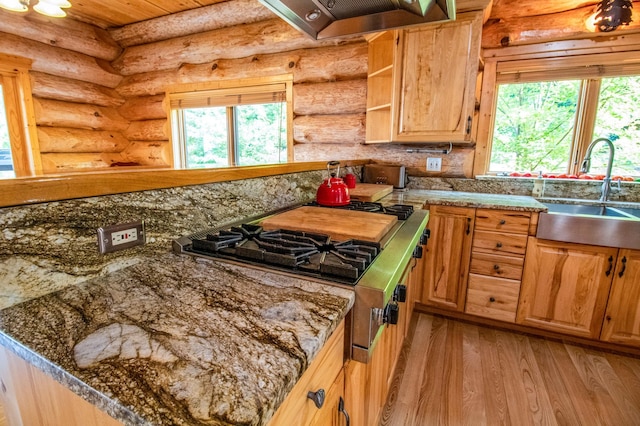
(51, 8)
(610, 14)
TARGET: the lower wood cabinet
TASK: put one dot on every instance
(565, 287)
(32, 398)
(446, 265)
(622, 318)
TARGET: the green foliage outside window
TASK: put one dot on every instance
(534, 126)
(4, 128)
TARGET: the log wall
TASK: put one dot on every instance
(98, 94)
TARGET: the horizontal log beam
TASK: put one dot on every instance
(340, 97)
(78, 116)
(568, 25)
(238, 41)
(60, 140)
(329, 129)
(66, 34)
(509, 9)
(147, 130)
(143, 108)
(55, 163)
(60, 62)
(331, 63)
(49, 86)
(202, 19)
(149, 153)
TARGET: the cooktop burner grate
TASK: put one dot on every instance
(301, 252)
(401, 211)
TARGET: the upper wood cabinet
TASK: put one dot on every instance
(622, 320)
(446, 265)
(422, 82)
(565, 287)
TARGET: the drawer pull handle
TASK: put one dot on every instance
(624, 266)
(502, 221)
(344, 412)
(492, 299)
(317, 397)
(608, 271)
(468, 226)
(499, 245)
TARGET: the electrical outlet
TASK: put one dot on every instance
(434, 164)
(119, 237)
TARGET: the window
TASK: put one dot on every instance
(239, 123)
(546, 112)
(19, 154)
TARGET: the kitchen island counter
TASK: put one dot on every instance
(179, 340)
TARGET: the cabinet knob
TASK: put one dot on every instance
(492, 299)
(496, 267)
(498, 245)
(317, 397)
(502, 221)
(609, 318)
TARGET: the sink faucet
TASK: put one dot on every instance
(586, 165)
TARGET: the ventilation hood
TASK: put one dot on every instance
(322, 19)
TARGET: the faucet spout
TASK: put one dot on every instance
(586, 165)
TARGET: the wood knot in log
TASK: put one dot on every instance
(214, 67)
(96, 114)
(255, 59)
(292, 64)
(505, 41)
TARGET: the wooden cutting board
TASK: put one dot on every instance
(338, 223)
(369, 191)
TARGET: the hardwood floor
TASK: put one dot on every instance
(455, 373)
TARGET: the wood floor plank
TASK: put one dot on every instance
(496, 397)
(474, 413)
(561, 405)
(463, 374)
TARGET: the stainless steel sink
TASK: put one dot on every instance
(593, 224)
(593, 210)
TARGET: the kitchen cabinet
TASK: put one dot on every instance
(367, 385)
(446, 265)
(30, 397)
(622, 319)
(565, 287)
(422, 82)
(497, 259)
(324, 376)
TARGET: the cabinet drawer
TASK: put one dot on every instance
(497, 265)
(494, 298)
(504, 221)
(499, 243)
(321, 374)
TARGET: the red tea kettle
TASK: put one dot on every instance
(333, 191)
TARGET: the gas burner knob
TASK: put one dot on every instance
(424, 238)
(391, 314)
(400, 293)
(417, 252)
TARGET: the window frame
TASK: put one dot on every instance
(18, 102)
(583, 60)
(245, 86)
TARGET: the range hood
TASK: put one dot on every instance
(322, 19)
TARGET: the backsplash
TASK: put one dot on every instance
(552, 188)
(49, 246)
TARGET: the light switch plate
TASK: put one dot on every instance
(122, 236)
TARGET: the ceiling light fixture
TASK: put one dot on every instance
(610, 14)
(51, 8)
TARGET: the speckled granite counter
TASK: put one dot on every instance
(179, 340)
(419, 197)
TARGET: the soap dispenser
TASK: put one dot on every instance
(538, 186)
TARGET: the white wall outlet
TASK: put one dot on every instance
(120, 237)
(434, 164)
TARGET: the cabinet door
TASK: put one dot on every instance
(622, 321)
(436, 81)
(446, 263)
(565, 286)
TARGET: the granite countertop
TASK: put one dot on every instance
(178, 340)
(419, 197)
